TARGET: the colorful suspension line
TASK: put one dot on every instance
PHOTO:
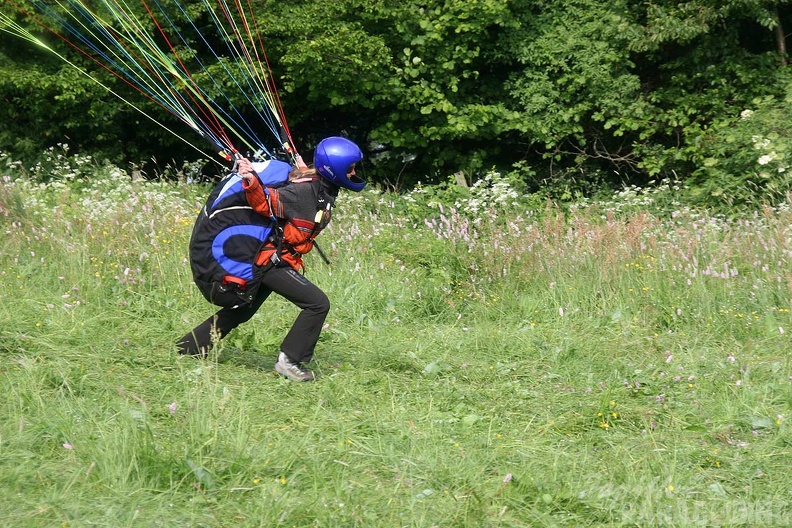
(10, 26)
(149, 52)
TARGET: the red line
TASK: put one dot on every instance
(114, 73)
(271, 79)
(218, 127)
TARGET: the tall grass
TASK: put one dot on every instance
(621, 362)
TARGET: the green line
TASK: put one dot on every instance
(23, 33)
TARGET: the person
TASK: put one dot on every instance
(302, 209)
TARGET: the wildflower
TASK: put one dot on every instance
(764, 160)
(68, 446)
(172, 408)
(507, 478)
(738, 383)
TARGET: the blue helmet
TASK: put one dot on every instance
(334, 158)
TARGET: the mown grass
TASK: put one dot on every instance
(613, 364)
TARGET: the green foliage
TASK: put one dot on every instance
(415, 80)
(42, 101)
(610, 81)
(746, 160)
(438, 71)
(338, 68)
(48, 103)
(708, 85)
(682, 22)
(589, 94)
(577, 70)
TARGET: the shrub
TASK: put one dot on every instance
(745, 160)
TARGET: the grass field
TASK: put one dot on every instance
(484, 364)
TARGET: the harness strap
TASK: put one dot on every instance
(277, 237)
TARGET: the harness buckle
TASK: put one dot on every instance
(240, 283)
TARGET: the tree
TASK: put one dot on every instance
(47, 101)
(419, 83)
(635, 85)
(630, 90)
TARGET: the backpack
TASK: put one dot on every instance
(228, 235)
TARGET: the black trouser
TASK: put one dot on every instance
(299, 342)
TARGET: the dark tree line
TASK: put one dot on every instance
(557, 92)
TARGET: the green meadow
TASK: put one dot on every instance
(490, 360)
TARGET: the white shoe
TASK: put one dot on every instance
(293, 371)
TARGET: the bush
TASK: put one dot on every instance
(746, 159)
